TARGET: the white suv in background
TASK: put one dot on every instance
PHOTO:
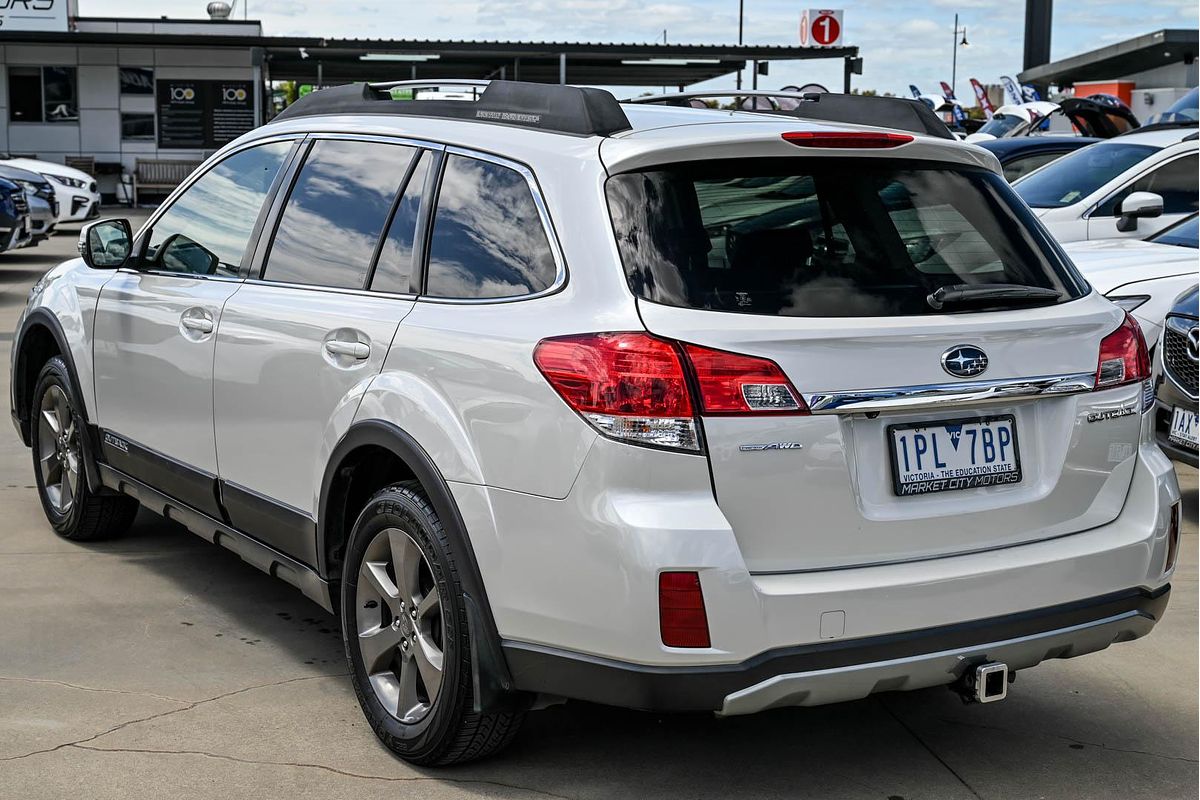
(77, 192)
(1130, 186)
(552, 397)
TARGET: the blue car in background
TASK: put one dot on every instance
(14, 215)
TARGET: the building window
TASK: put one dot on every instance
(137, 80)
(43, 94)
(137, 127)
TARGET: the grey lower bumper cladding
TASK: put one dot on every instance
(830, 672)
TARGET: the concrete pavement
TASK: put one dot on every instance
(158, 665)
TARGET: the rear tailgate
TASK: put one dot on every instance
(833, 501)
(823, 258)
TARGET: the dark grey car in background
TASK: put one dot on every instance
(1175, 400)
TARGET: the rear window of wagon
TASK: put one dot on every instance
(825, 237)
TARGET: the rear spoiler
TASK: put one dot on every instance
(896, 113)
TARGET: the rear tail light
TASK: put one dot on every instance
(630, 386)
(735, 384)
(681, 617)
(1172, 539)
(635, 387)
(1123, 356)
(870, 140)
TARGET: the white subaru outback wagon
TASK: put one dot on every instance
(551, 397)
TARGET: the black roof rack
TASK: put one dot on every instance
(575, 110)
(898, 113)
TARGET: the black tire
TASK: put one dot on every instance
(450, 732)
(86, 516)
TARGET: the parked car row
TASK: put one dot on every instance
(548, 396)
(35, 196)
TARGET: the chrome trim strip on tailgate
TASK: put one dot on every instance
(937, 395)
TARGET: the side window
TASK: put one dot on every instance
(336, 213)
(1022, 166)
(206, 230)
(394, 269)
(1176, 181)
(488, 239)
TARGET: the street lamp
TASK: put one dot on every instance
(954, 54)
(741, 12)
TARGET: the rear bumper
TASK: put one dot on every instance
(831, 672)
(572, 583)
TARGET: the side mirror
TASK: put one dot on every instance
(106, 244)
(1136, 206)
(179, 253)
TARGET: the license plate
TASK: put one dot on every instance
(1183, 427)
(954, 454)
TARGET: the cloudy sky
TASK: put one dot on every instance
(901, 41)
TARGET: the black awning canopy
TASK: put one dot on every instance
(1140, 54)
(346, 60)
(333, 61)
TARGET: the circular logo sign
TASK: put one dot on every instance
(964, 361)
(826, 30)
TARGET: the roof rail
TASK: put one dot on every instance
(898, 113)
(575, 110)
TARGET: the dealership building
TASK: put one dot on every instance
(117, 92)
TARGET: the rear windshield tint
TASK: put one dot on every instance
(825, 237)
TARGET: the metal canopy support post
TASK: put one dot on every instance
(741, 12)
(853, 66)
(562, 67)
(754, 79)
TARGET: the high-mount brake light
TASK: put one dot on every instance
(1123, 356)
(630, 386)
(731, 383)
(864, 140)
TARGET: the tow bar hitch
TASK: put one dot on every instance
(984, 683)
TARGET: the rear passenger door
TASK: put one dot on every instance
(311, 327)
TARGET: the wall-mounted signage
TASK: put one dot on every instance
(34, 15)
(203, 115)
(819, 27)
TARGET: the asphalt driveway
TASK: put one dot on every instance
(161, 666)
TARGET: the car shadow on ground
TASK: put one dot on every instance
(894, 745)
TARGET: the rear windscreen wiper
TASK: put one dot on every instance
(966, 294)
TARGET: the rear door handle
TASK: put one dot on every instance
(198, 324)
(197, 320)
(356, 350)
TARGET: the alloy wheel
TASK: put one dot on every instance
(400, 631)
(59, 455)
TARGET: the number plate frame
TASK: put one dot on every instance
(1017, 475)
(1176, 411)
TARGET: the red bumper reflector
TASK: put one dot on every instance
(854, 139)
(681, 617)
(1172, 539)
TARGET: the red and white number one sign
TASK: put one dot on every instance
(821, 27)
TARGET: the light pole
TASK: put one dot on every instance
(741, 11)
(954, 54)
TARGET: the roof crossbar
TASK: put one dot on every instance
(897, 113)
(556, 108)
